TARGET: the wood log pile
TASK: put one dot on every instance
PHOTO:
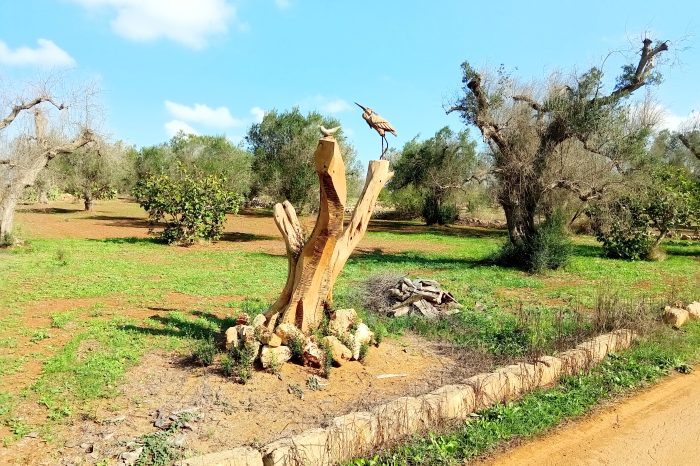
(421, 297)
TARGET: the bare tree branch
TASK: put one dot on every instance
(530, 101)
(5, 122)
(694, 149)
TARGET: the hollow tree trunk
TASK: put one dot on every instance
(313, 265)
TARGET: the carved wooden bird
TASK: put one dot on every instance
(379, 124)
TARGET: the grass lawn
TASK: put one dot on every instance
(75, 313)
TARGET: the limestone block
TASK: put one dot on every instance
(243, 456)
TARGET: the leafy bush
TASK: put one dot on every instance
(193, 206)
(407, 202)
(437, 212)
(205, 351)
(622, 227)
(549, 248)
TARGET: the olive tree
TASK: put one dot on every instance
(35, 142)
(283, 145)
(437, 168)
(533, 133)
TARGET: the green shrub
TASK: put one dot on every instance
(622, 227)
(407, 202)
(548, 249)
(193, 206)
(438, 212)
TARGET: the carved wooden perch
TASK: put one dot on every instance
(314, 264)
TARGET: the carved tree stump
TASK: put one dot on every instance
(314, 264)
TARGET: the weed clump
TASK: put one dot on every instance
(204, 351)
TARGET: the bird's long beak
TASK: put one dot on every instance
(362, 107)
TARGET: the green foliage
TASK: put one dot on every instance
(296, 346)
(7, 240)
(548, 249)
(192, 205)
(158, 447)
(227, 365)
(436, 169)
(206, 155)
(434, 211)
(62, 319)
(283, 145)
(243, 360)
(625, 226)
(204, 351)
(407, 202)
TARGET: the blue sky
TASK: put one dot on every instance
(212, 66)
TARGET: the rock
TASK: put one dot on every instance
(363, 336)
(231, 338)
(271, 356)
(675, 317)
(130, 457)
(340, 352)
(694, 310)
(246, 333)
(259, 320)
(342, 320)
(243, 319)
(162, 420)
(242, 456)
(270, 339)
(288, 332)
(426, 309)
(479, 307)
(401, 311)
(312, 355)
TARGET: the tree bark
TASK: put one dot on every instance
(87, 201)
(314, 265)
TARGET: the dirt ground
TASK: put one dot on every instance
(658, 426)
(225, 414)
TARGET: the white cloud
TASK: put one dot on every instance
(258, 114)
(190, 23)
(219, 117)
(47, 54)
(175, 126)
(283, 4)
(336, 106)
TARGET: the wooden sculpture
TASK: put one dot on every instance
(379, 124)
(315, 263)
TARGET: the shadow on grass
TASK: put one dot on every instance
(131, 240)
(402, 227)
(683, 248)
(180, 324)
(50, 210)
(237, 237)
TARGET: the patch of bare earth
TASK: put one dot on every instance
(228, 414)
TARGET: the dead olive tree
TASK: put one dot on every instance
(26, 154)
(532, 136)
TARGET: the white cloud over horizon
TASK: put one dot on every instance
(219, 117)
(258, 114)
(175, 126)
(186, 22)
(47, 54)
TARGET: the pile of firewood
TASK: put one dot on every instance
(420, 297)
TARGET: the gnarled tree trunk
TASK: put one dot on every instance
(314, 264)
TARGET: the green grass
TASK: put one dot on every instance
(539, 411)
(115, 274)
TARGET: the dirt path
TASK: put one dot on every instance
(659, 426)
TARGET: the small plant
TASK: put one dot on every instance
(39, 335)
(227, 365)
(204, 351)
(312, 383)
(61, 319)
(158, 448)
(294, 389)
(327, 359)
(296, 346)
(7, 240)
(61, 257)
(243, 359)
(364, 349)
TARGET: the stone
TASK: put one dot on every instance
(450, 402)
(306, 448)
(574, 361)
(401, 311)
(274, 341)
(490, 388)
(624, 338)
(259, 320)
(288, 332)
(675, 317)
(694, 310)
(351, 435)
(341, 321)
(340, 352)
(426, 309)
(231, 338)
(243, 456)
(246, 333)
(363, 336)
(243, 319)
(312, 355)
(271, 356)
(522, 377)
(599, 347)
(268, 338)
(397, 419)
(549, 370)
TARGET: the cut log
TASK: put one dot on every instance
(314, 264)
